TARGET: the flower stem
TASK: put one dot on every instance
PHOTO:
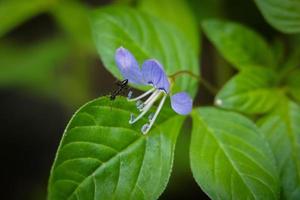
(173, 76)
(212, 89)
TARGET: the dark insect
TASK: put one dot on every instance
(122, 85)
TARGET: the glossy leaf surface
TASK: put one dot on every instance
(230, 158)
(102, 156)
(251, 91)
(238, 44)
(282, 130)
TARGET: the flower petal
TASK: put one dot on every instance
(128, 66)
(153, 73)
(181, 103)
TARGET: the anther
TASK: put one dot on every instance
(141, 106)
(145, 128)
(145, 109)
(138, 103)
(161, 103)
(150, 117)
(132, 118)
(129, 94)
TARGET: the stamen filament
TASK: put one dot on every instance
(148, 127)
(145, 109)
(142, 95)
(153, 95)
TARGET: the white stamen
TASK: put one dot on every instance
(153, 95)
(131, 117)
(150, 117)
(147, 127)
(142, 95)
(145, 108)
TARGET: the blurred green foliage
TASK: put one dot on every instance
(283, 15)
(56, 66)
(164, 10)
(15, 12)
(238, 44)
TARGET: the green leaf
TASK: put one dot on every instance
(177, 13)
(146, 37)
(293, 58)
(282, 130)
(293, 83)
(230, 158)
(102, 156)
(238, 44)
(206, 9)
(14, 12)
(251, 91)
(283, 15)
(295, 92)
(279, 50)
(124, 2)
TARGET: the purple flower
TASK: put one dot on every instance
(152, 73)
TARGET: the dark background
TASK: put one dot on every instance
(32, 121)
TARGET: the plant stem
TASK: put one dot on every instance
(213, 90)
